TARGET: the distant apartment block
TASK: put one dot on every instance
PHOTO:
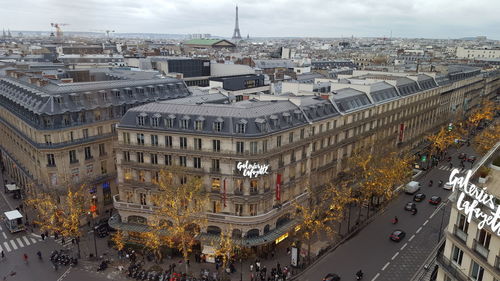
(484, 53)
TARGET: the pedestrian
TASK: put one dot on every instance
(62, 240)
(43, 236)
(451, 166)
(251, 267)
(56, 235)
(3, 255)
(73, 241)
(46, 233)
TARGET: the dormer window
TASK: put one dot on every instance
(241, 126)
(261, 124)
(129, 93)
(151, 90)
(141, 119)
(298, 114)
(287, 117)
(169, 121)
(312, 110)
(139, 90)
(58, 99)
(116, 93)
(198, 124)
(218, 124)
(274, 120)
(185, 122)
(104, 95)
(155, 120)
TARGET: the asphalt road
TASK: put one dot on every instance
(382, 259)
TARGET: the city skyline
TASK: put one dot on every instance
(363, 18)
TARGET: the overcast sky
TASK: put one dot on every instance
(306, 18)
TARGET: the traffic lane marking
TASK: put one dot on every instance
(411, 238)
(419, 229)
(395, 255)
(404, 246)
(425, 222)
(385, 266)
(64, 274)
(376, 276)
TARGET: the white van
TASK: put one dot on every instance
(412, 187)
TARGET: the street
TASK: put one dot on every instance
(382, 259)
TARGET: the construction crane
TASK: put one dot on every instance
(59, 32)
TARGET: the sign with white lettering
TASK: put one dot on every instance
(252, 170)
(478, 196)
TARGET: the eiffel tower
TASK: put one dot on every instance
(236, 33)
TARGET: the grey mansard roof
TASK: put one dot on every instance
(53, 98)
(257, 117)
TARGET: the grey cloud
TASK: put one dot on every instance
(333, 18)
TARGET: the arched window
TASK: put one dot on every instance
(214, 230)
(253, 233)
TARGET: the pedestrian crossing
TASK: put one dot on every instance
(66, 244)
(449, 169)
(16, 243)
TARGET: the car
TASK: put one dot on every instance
(397, 235)
(331, 277)
(435, 200)
(448, 186)
(419, 197)
(410, 206)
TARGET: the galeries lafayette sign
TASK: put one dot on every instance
(252, 170)
(490, 217)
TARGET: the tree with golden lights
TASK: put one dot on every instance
(179, 211)
(317, 217)
(485, 111)
(226, 248)
(60, 214)
(487, 138)
(119, 240)
(376, 172)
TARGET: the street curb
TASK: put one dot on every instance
(345, 239)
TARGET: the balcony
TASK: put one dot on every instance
(480, 249)
(451, 268)
(460, 234)
(215, 170)
(238, 192)
(130, 206)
